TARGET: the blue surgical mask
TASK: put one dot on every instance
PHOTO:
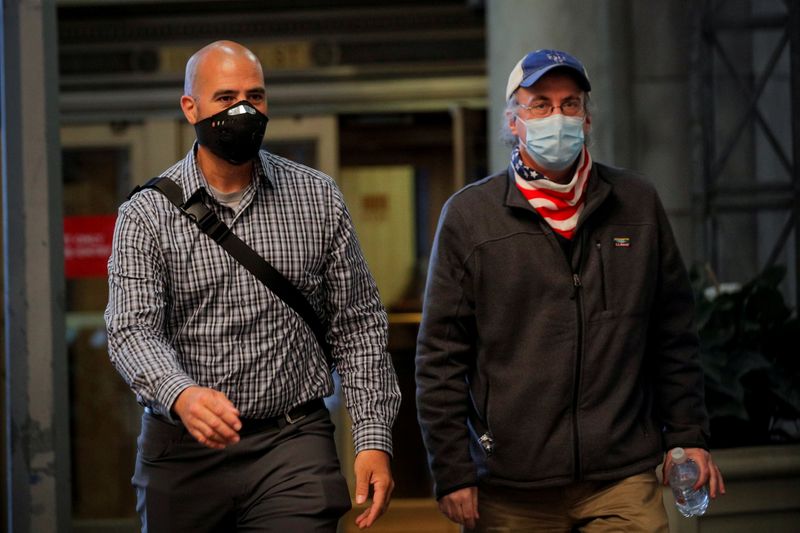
(554, 142)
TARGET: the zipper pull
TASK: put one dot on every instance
(576, 283)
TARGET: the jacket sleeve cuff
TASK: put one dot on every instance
(686, 439)
(441, 493)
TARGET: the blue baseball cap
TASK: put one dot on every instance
(538, 63)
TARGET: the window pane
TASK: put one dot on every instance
(104, 416)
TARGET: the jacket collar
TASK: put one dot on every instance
(514, 197)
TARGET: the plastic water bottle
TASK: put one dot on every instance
(682, 476)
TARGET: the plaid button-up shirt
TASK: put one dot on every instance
(182, 312)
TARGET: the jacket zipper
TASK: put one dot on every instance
(576, 282)
(599, 247)
(576, 295)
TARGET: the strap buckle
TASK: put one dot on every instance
(208, 222)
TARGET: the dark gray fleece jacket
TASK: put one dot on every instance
(583, 367)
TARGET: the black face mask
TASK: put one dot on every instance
(234, 134)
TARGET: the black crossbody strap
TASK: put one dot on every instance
(210, 224)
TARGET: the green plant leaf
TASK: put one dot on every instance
(725, 401)
(787, 389)
(749, 342)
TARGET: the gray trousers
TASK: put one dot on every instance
(275, 479)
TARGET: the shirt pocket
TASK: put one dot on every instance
(199, 268)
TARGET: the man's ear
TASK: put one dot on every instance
(587, 124)
(189, 107)
(512, 123)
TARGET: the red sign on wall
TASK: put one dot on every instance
(87, 245)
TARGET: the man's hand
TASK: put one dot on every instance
(461, 506)
(209, 416)
(372, 469)
(709, 472)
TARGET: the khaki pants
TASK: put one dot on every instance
(632, 504)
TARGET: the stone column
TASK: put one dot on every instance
(36, 410)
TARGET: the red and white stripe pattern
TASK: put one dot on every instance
(559, 204)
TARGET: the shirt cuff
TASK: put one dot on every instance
(372, 436)
(168, 392)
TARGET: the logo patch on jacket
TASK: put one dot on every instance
(622, 242)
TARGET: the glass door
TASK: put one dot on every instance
(100, 163)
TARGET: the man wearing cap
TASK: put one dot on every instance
(556, 359)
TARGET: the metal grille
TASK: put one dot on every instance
(746, 109)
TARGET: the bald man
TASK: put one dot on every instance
(235, 435)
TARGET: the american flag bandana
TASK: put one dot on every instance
(559, 204)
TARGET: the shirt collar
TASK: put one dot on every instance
(194, 179)
(265, 170)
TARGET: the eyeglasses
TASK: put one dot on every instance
(569, 108)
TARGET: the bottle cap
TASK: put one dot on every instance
(678, 455)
